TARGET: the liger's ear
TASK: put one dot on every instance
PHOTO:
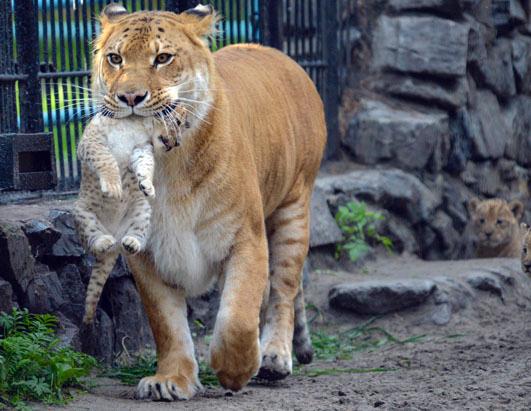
(517, 209)
(473, 204)
(201, 20)
(112, 12)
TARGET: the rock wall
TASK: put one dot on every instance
(441, 90)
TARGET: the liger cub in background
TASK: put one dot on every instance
(232, 204)
(526, 250)
(117, 179)
(496, 227)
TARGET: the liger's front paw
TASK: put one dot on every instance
(276, 362)
(131, 245)
(167, 388)
(235, 358)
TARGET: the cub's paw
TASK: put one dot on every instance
(131, 245)
(147, 188)
(276, 362)
(166, 388)
(102, 244)
(111, 188)
(235, 358)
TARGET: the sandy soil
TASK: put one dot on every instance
(486, 367)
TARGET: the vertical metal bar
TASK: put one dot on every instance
(271, 23)
(27, 53)
(331, 81)
(248, 20)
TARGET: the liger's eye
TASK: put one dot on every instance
(525, 250)
(114, 59)
(163, 58)
(482, 221)
(499, 222)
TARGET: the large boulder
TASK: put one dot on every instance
(496, 71)
(392, 189)
(15, 255)
(379, 132)
(323, 226)
(451, 7)
(448, 93)
(42, 236)
(97, 339)
(131, 327)
(6, 296)
(517, 115)
(486, 128)
(521, 53)
(424, 45)
(45, 293)
(376, 297)
(69, 244)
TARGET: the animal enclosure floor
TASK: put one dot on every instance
(480, 360)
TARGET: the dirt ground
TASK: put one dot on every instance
(481, 360)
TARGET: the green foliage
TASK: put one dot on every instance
(363, 337)
(33, 365)
(358, 225)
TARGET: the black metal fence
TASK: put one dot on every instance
(45, 53)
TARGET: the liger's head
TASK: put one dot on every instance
(154, 63)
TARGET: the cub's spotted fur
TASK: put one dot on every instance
(495, 225)
(117, 165)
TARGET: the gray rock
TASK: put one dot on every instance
(424, 45)
(451, 7)
(516, 12)
(15, 255)
(131, 326)
(44, 293)
(448, 236)
(202, 310)
(517, 115)
(6, 296)
(441, 314)
(482, 177)
(481, 10)
(323, 226)
(479, 37)
(68, 333)
(69, 244)
(401, 234)
(72, 284)
(521, 52)
(496, 72)
(448, 93)
(485, 127)
(380, 296)
(42, 236)
(391, 189)
(379, 132)
(485, 282)
(97, 339)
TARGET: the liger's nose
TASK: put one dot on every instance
(133, 98)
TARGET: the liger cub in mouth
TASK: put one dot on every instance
(117, 180)
(232, 203)
(496, 227)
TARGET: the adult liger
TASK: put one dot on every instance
(232, 204)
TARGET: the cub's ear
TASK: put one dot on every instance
(473, 204)
(517, 208)
(112, 12)
(201, 20)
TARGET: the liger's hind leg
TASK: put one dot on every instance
(288, 245)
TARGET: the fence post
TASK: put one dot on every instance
(28, 64)
(331, 81)
(271, 23)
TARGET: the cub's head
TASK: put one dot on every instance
(526, 249)
(151, 63)
(495, 221)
